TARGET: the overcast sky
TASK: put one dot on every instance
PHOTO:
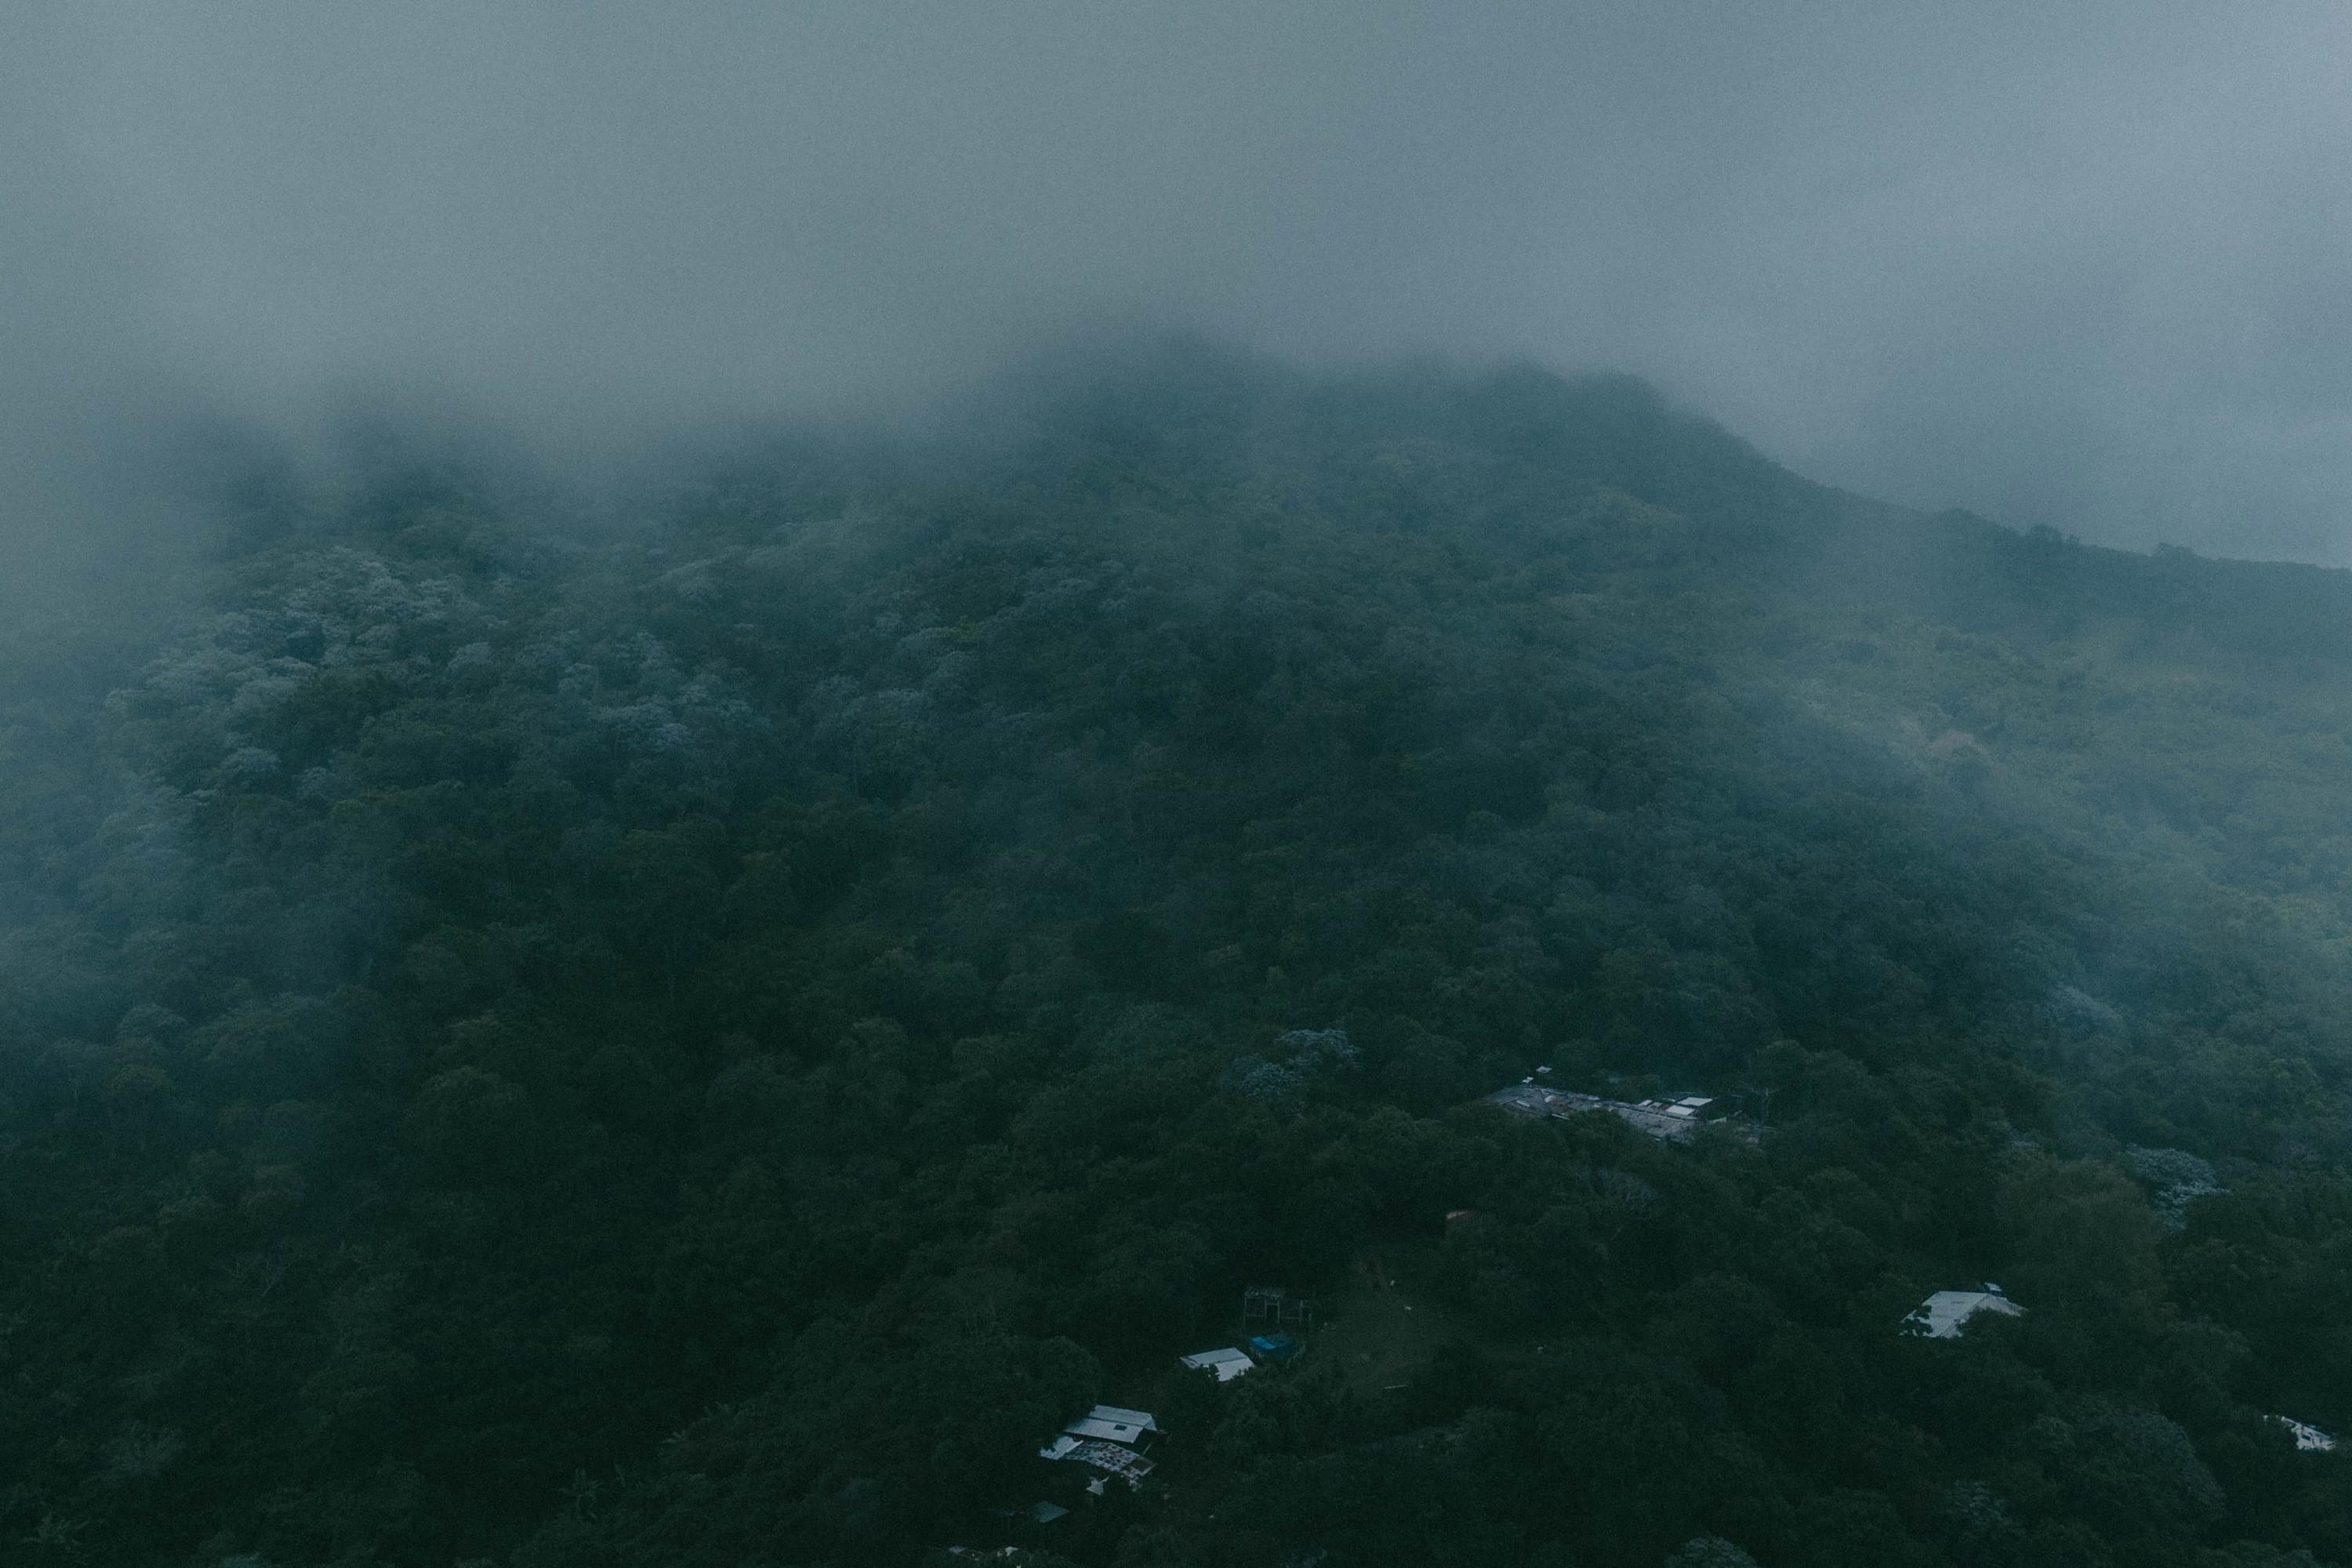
(2086, 264)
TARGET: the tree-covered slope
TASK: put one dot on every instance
(701, 1041)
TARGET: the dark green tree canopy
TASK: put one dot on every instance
(705, 1041)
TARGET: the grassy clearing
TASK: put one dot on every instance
(1386, 1327)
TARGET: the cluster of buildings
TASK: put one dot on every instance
(1118, 1441)
(1671, 1119)
(1940, 1317)
(1115, 1441)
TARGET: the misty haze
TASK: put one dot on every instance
(1106, 786)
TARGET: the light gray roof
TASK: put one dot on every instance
(1675, 1119)
(2307, 1438)
(1119, 1413)
(1228, 1363)
(1941, 1314)
(1113, 1424)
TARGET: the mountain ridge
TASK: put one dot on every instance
(710, 1037)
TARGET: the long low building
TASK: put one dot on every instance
(1675, 1119)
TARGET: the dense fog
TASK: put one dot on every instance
(752, 758)
(2077, 265)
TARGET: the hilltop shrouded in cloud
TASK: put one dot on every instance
(746, 750)
(2078, 265)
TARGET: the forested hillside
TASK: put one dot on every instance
(703, 1038)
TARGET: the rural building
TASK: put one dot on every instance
(1228, 1363)
(1941, 1315)
(1112, 1424)
(1274, 1347)
(2310, 1440)
(1674, 1120)
(1101, 1437)
(1109, 1457)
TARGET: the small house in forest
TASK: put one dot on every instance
(1942, 1315)
(1228, 1363)
(1106, 1437)
(1111, 1424)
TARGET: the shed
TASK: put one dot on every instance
(1228, 1363)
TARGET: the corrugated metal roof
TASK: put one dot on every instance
(1128, 1418)
(1228, 1363)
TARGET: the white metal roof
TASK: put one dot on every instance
(1119, 1413)
(1113, 1424)
(1942, 1313)
(1228, 1363)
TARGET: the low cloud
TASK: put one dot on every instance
(2082, 265)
